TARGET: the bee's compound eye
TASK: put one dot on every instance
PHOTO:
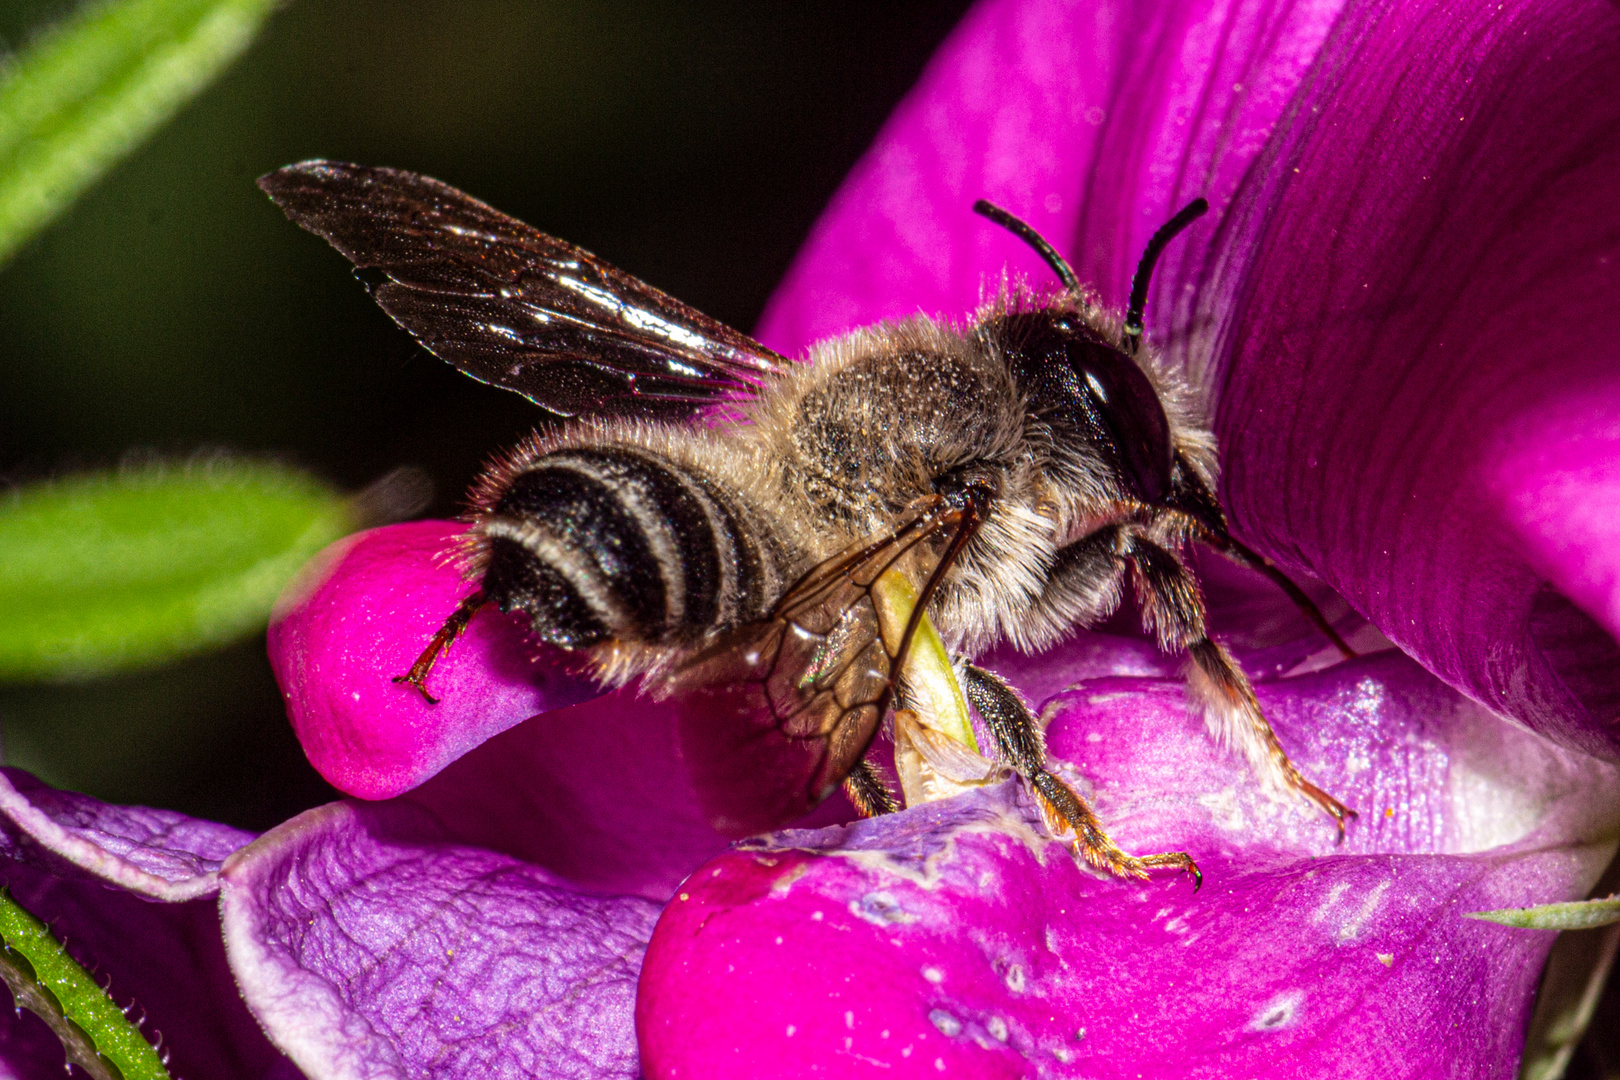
(1075, 379)
(1131, 410)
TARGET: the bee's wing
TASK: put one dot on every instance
(512, 306)
(777, 713)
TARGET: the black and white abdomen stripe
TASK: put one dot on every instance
(618, 542)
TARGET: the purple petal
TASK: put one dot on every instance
(601, 794)
(368, 946)
(361, 615)
(1422, 382)
(87, 869)
(160, 854)
(962, 937)
(1429, 771)
(166, 960)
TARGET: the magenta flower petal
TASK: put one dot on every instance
(966, 942)
(1341, 967)
(597, 794)
(375, 601)
(91, 871)
(368, 946)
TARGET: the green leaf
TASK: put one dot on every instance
(116, 570)
(43, 978)
(95, 86)
(1577, 915)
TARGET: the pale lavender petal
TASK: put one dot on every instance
(1429, 771)
(161, 854)
(89, 869)
(369, 946)
(1418, 357)
(361, 615)
(961, 937)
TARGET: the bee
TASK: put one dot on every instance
(732, 527)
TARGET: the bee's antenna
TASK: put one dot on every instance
(1144, 269)
(1026, 232)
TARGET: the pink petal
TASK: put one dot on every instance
(955, 938)
(362, 614)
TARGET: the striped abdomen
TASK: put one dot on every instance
(618, 542)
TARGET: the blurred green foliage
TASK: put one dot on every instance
(94, 85)
(150, 562)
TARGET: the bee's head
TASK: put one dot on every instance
(1089, 392)
(1092, 397)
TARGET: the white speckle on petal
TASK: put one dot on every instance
(933, 974)
(947, 1024)
(1369, 907)
(997, 1027)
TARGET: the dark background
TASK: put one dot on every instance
(174, 309)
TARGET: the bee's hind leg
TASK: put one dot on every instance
(1018, 738)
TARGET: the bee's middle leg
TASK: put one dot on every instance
(1018, 738)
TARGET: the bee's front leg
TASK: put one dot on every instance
(1173, 610)
(1018, 738)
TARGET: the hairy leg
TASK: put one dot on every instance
(1018, 737)
(1173, 611)
(1085, 585)
(866, 789)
